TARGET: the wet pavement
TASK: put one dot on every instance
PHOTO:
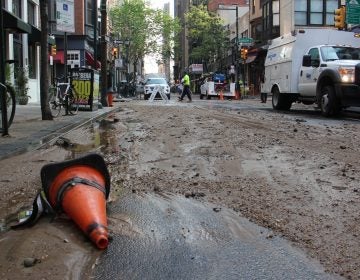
(29, 132)
(171, 237)
(165, 236)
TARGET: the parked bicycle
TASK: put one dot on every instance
(63, 94)
(10, 100)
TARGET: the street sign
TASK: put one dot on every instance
(245, 41)
(352, 12)
(65, 16)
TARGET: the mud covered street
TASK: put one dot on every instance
(296, 174)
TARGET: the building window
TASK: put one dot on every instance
(18, 47)
(331, 6)
(315, 12)
(89, 12)
(253, 6)
(73, 59)
(32, 61)
(32, 13)
(301, 12)
(266, 16)
(16, 8)
(276, 13)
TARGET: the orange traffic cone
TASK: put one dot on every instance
(80, 188)
(110, 99)
(221, 95)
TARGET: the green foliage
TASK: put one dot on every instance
(21, 82)
(170, 28)
(208, 38)
(8, 73)
(144, 28)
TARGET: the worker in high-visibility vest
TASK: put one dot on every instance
(186, 91)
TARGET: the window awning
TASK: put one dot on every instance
(35, 34)
(90, 60)
(59, 57)
(14, 24)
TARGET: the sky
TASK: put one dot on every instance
(150, 62)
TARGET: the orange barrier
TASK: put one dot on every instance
(80, 188)
(110, 99)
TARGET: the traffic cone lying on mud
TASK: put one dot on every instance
(80, 188)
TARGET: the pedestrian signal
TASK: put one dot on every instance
(244, 53)
(339, 18)
(53, 50)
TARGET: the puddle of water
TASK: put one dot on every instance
(102, 137)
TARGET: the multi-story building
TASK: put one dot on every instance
(81, 45)
(21, 21)
(181, 60)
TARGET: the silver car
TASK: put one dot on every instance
(152, 83)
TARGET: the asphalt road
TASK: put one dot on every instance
(171, 237)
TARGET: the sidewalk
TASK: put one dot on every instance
(29, 132)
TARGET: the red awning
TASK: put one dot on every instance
(90, 60)
(59, 57)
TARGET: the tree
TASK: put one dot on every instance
(207, 36)
(44, 77)
(169, 28)
(144, 28)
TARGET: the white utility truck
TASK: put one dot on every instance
(319, 66)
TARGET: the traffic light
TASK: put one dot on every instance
(115, 52)
(53, 50)
(339, 18)
(244, 53)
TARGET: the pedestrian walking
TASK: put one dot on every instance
(186, 91)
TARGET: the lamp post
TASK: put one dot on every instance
(236, 9)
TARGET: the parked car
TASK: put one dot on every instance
(151, 83)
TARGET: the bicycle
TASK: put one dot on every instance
(10, 99)
(59, 98)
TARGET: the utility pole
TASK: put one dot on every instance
(103, 53)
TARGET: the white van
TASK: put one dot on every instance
(314, 66)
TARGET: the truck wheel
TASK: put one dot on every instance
(280, 101)
(201, 96)
(328, 103)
